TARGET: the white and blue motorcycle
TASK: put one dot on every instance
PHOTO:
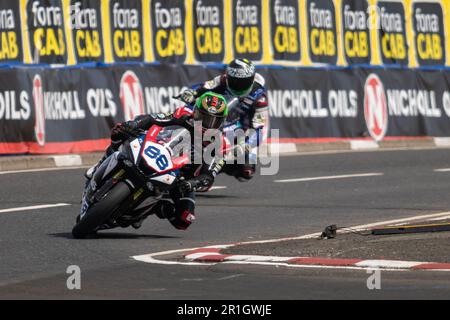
(128, 184)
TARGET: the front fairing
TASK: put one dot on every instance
(158, 153)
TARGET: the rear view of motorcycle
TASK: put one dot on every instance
(128, 184)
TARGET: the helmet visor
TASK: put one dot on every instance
(240, 86)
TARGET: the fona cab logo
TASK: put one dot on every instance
(131, 96)
(375, 107)
(38, 98)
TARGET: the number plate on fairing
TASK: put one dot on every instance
(157, 157)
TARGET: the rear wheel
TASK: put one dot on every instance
(100, 212)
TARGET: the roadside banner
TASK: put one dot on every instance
(11, 49)
(45, 24)
(86, 30)
(66, 110)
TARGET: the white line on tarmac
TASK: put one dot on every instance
(440, 218)
(42, 170)
(442, 170)
(151, 258)
(360, 175)
(217, 188)
(44, 206)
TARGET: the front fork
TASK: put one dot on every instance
(115, 168)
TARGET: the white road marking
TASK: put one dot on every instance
(363, 145)
(440, 218)
(217, 188)
(305, 266)
(387, 264)
(44, 206)
(258, 258)
(442, 170)
(151, 258)
(230, 277)
(68, 160)
(346, 176)
(398, 221)
(280, 148)
(42, 170)
(442, 141)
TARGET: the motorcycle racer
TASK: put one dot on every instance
(239, 80)
(179, 206)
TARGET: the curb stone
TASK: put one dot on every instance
(213, 255)
(29, 162)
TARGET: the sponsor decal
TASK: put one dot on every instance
(208, 30)
(38, 98)
(46, 28)
(86, 25)
(126, 30)
(429, 37)
(391, 33)
(131, 96)
(168, 25)
(322, 31)
(10, 32)
(14, 105)
(375, 107)
(101, 102)
(247, 35)
(285, 30)
(412, 103)
(356, 33)
(313, 104)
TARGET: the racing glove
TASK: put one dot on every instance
(123, 131)
(188, 96)
(202, 181)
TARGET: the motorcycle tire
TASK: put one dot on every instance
(101, 211)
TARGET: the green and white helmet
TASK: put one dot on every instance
(211, 109)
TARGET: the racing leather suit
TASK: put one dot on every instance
(252, 113)
(179, 206)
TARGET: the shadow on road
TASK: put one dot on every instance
(214, 196)
(113, 235)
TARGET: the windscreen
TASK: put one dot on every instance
(176, 139)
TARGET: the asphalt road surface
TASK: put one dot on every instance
(36, 246)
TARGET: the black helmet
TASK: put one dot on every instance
(240, 76)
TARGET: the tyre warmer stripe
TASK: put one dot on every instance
(54, 147)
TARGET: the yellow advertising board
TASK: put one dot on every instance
(409, 33)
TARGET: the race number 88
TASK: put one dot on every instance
(155, 153)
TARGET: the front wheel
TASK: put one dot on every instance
(100, 212)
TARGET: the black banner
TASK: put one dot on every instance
(356, 33)
(61, 110)
(392, 33)
(168, 27)
(86, 26)
(429, 36)
(10, 32)
(209, 30)
(126, 30)
(247, 29)
(46, 31)
(285, 29)
(322, 31)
